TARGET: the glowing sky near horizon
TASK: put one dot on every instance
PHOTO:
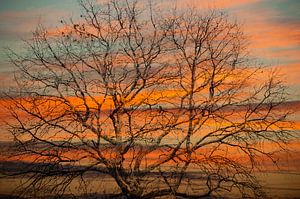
(273, 28)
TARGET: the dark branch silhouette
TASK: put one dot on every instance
(146, 98)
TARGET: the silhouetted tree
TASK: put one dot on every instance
(165, 104)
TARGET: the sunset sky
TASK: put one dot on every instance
(273, 28)
(182, 116)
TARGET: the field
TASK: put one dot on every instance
(277, 185)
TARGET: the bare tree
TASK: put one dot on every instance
(166, 105)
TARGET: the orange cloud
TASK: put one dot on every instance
(265, 33)
(290, 73)
(204, 4)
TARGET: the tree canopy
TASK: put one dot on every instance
(165, 103)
